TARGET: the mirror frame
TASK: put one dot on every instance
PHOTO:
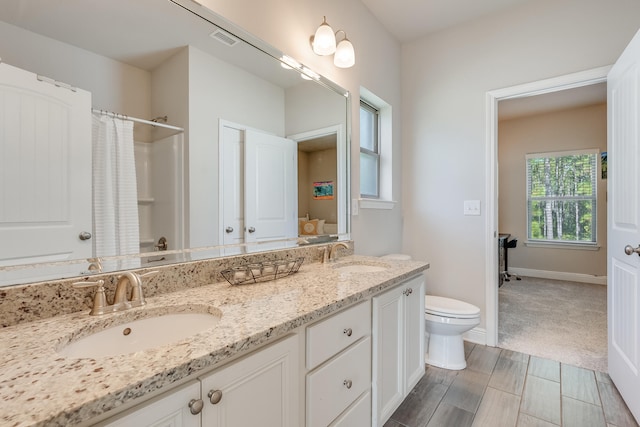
(56, 271)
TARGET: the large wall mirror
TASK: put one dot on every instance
(237, 148)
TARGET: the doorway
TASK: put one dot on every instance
(557, 84)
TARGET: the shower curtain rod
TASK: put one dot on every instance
(134, 119)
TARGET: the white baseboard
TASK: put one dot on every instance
(476, 336)
(559, 275)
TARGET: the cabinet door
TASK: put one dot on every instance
(388, 353)
(414, 332)
(169, 410)
(259, 390)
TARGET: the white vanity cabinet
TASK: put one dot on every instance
(260, 389)
(398, 346)
(172, 409)
(339, 358)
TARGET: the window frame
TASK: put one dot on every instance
(376, 153)
(593, 198)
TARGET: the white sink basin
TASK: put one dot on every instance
(360, 268)
(141, 334)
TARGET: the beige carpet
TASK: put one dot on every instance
(559, 320)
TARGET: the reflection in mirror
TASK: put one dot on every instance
(204, 76)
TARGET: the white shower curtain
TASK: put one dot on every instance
(115, 194)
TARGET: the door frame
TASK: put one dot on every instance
(568, 81)
(341, 148)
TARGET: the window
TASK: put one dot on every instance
(561, 197)
(369, 151)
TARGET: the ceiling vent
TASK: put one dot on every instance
(224, 37)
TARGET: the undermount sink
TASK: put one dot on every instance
(140, 334)
(360, 268)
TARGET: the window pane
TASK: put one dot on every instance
(570, 221)
(561, 196)
(368, 175)
(368, 129)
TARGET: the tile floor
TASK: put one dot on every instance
(502, 388)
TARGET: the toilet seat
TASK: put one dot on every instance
(448, 307)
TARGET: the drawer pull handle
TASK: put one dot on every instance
(347, 383)
(215, 396)
(195, 406)
(348, 331)
(408, 292)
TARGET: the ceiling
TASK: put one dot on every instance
(408, 20)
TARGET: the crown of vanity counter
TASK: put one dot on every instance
(39, 386)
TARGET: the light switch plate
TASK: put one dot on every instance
(354, 207)
(472, 207)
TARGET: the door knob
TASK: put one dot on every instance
(84, 235)
(251, 229)
(630, 250)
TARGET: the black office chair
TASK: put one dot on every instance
(510, 244)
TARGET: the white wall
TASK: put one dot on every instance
(445, 79)
(287, 25)
(114, 86)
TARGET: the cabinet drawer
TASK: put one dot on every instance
(327, 393)
(358, 415)
(330, 336)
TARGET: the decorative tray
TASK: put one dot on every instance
(262, 271)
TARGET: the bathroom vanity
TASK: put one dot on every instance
(313, 348)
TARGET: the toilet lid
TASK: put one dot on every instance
(449, 307)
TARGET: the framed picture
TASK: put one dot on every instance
(323, 190)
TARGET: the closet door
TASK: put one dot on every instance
(45, 169)
(271, 187)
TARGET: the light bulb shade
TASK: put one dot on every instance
(324, 40)
(345, 56)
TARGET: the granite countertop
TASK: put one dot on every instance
(40, 387)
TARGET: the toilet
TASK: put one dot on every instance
(446, 319)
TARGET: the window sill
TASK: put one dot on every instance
(558, 245)
(376, 204)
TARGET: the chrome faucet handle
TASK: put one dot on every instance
(137, 294)
(99, 298)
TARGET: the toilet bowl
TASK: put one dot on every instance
(446, 319)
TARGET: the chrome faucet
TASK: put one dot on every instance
(121, 301)
(329, 253)
(333, 251)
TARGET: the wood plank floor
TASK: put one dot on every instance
(503, 388)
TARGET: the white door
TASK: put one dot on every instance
(232, 185)
(271, 187)
(623, 270)
(45, 169)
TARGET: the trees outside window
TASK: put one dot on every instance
(562, 196)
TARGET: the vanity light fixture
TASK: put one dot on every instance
(324, 42)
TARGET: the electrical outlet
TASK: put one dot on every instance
(472, 207)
